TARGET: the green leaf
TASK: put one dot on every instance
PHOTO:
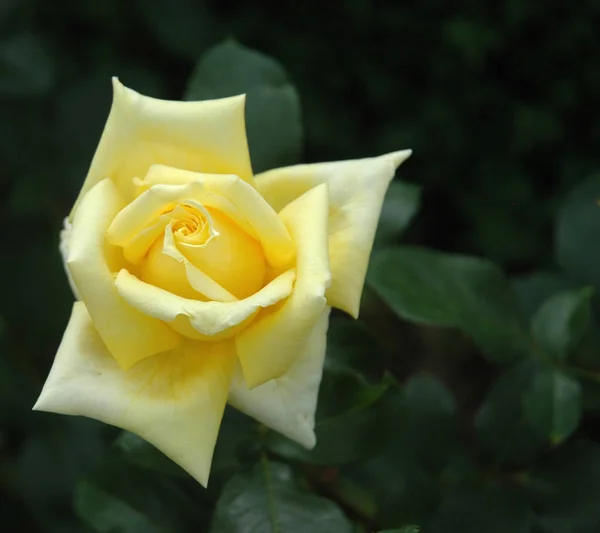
(268, 499)
(273, 117)
(578, 232)
(401, 204)
(564, 489)
(561, 322)
(120, 497)
(454, 291)
(352, 348)
(553, 404)
(587, 352)
(482, 510)
(422, 454)
(533, 289)
(502, 427)
(429, 427)
(403, 490)
(107, 514)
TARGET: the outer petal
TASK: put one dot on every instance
(174, 400)
(356, 191)
(63, 247)
(288, 404)
(205, 318)
(208, 136)
(129, 335)
(269, 346)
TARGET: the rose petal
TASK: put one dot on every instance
(269, 346)
(260, 216)
(211, 191)
(232, 259)
(129, 335)
(288, 404)
(207, 136)
(175, 400)
(63, 247)
(206, 318)
(197, 278)
(356, 192)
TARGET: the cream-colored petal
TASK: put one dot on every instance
(129, 335)
(288, 404)
(206, 318)
(63, 247)
(199, 280)
(232, 259)
(139, 246)
(147, 209)
(356, 192)
(212, 191)
(174, 400)
(270, 345)
(162, 175)
(260, 216)
(208, 136)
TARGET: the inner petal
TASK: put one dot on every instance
(192, 223)
(163, 270)
(202, 254)
(232, 258)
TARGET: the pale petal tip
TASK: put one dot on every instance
(118, 87)
(399, 157)
(308, 439)
(123, 95)
(41, 403)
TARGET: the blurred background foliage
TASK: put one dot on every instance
(469, 401)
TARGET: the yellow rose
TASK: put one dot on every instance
(200, 284)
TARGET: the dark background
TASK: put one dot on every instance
(498, 100)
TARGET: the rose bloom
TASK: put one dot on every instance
(200, 284)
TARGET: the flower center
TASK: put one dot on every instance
(196, 238)
(191, 224)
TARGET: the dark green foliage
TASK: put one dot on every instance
(553, 404)
(564, 489)
(458, 291)
(273, 121)
(268, 499)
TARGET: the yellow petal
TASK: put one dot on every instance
(260, 216)
(197, 278)
(63, 247)
(288, 404)
(129, 335)
(162, 175)
(174, 400)
(206, 318)
(233, 259)
(148, 208)
(356, 192)
(270, 345)
(208, 136)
